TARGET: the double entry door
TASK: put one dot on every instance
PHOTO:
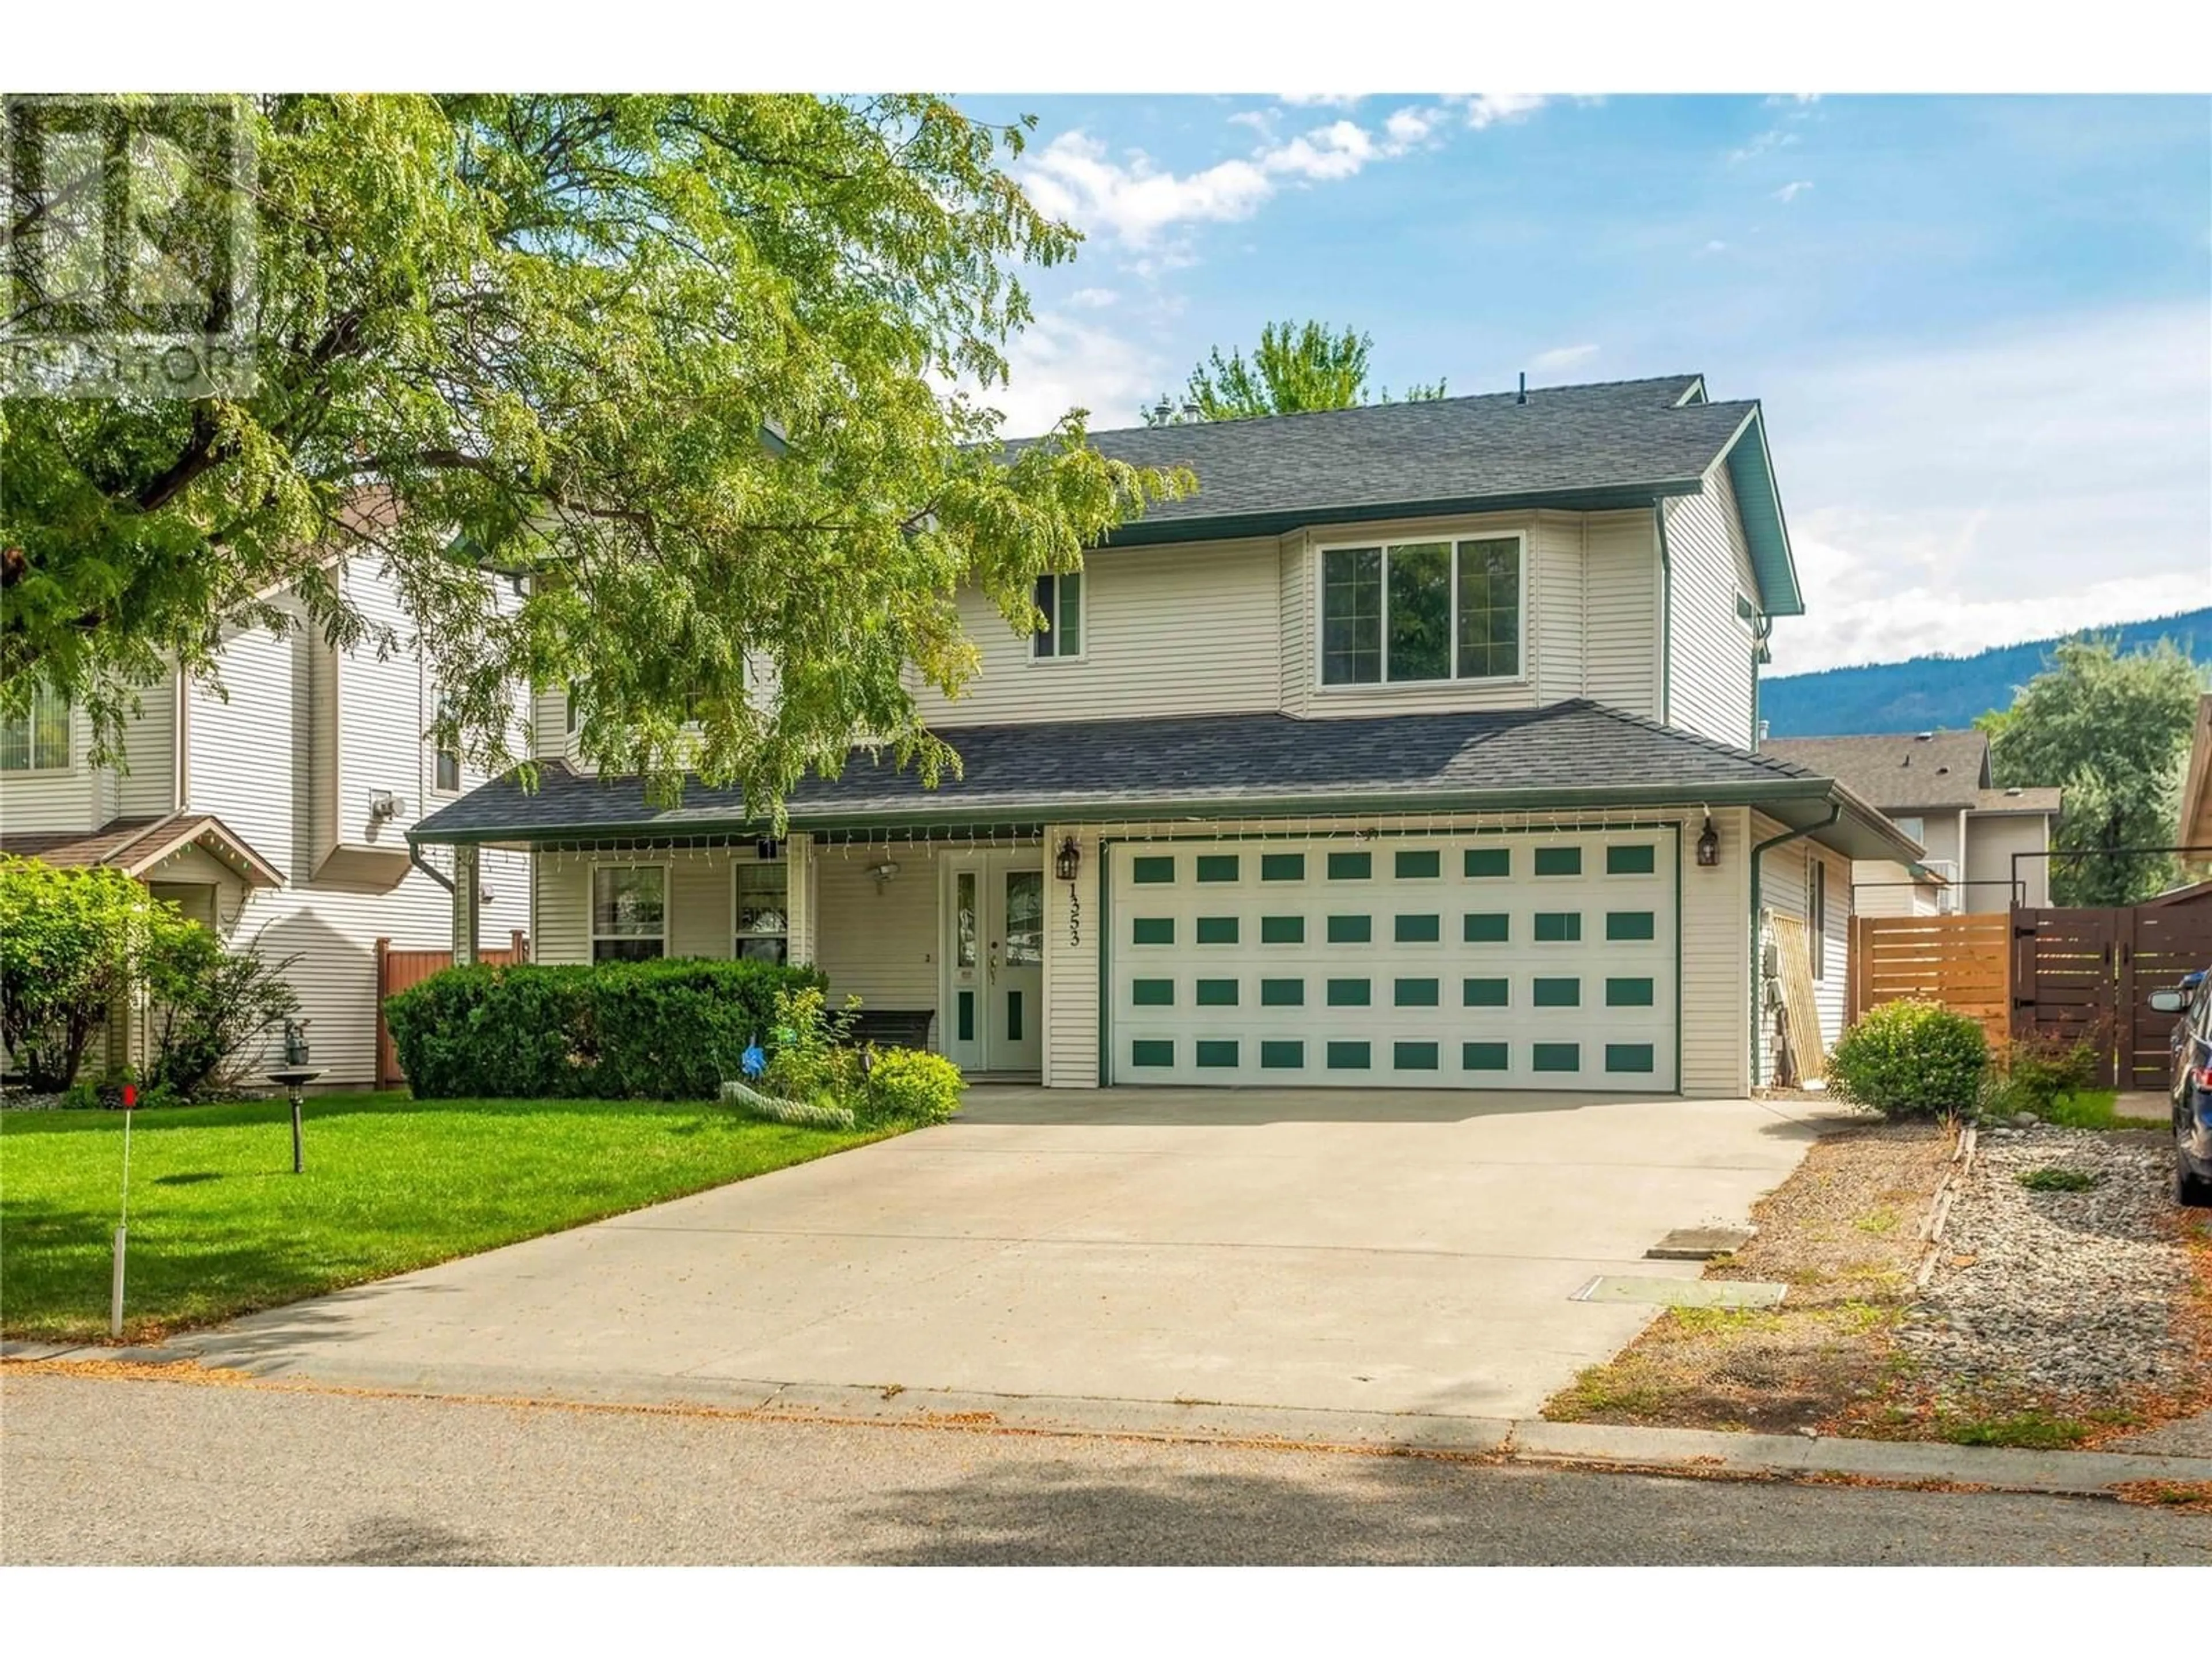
(993, 1014)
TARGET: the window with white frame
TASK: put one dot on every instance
(630, 912)
(1407, 613)
(445, 762)
(763, 911)
(1914, 827)
(1816, 906)
(1060, 600)
(37, 739)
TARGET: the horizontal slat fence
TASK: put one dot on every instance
(397, 970)
(1962, 962)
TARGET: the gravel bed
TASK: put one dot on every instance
(2064, 1292)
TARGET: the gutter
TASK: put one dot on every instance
(415, 857)
(1757, 858)
(1666, 613)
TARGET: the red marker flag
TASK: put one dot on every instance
(129, 1096)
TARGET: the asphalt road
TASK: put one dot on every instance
(106, 1471)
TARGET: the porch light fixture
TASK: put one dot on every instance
(1066, 861)
(1709, 845)
(883, 873)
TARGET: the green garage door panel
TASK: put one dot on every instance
(1223, 965)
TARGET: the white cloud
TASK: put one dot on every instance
(1487, 108)
(1790, 192)
(1410, 125)
(1996, 491)
(1773, 139)
(1057, 364)
(1093, 298)
(1782, 98)
(1717, 247)
(1337, 100)
(1563, 356)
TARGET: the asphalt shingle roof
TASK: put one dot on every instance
(1085, 768)
(1626, 439)
(1899, 771)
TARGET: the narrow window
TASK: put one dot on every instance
(1419, 607)
(1059, 599)
(1490, 608)
(37, 740)
(1818, 943)
(446, 763)
(630, 912)
(1351, 616)
(764, 927)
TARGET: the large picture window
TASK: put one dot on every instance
(1416, 611)
(630, 912)
(764, 914)
(38, 739)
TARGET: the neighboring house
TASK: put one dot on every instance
(1412, 749)
(1936, 787)
(2195, 830)
(276, 814)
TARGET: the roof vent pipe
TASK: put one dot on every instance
(1523, 398)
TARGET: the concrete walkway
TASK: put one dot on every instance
(1311, 1250)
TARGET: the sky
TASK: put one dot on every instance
(1981, 326)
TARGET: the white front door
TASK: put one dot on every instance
(993, 913)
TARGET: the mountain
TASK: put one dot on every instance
(1923, 694)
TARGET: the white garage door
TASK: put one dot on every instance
(1504, 961)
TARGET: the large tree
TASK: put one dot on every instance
(1296, 367)
(681, 361)
(2112, 731)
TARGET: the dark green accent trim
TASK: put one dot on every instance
(1350, 930)
(1282, 1055)
(1151, 930)
(1486, 992)
(1415, 993)
(1635, 859)
(966, 1002)
(1559, 860)
(1629, 925)
(1013, 1016)
(1486, 927)
(1559, 926)
(1413, 1056)
(1351, 992)
(1282, 867)
(1557, 1057)
(1217, 1052)
(1350, 866)
(1631, 992)
(1417, 863)
(1487, 861)
(1417, 930)
(1152, 1051)
(1215, 993)
(1216, 866)
(1152, 993)
(1628, 1057)
(1235, 526)
(1556, 992)
(1282, 994)
(1282, 930)
(1759, 505)
(1148, 872)
(1350, 1057)
(1216, 930)
(1484, 1057)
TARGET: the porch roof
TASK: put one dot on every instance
(136, 846)
(1576, 754)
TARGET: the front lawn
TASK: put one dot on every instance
(220, 1226)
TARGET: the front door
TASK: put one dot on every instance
(994, 961)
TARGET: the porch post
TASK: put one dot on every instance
(466, 864)
(799, 897)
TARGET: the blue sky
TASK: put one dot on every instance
(1981, 326)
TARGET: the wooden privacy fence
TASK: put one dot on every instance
(2086, 976)
(397, 970)
(1962, 962)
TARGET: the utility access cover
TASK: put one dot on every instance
(1698, 1244)
(1681, 1293)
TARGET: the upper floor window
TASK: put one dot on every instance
(763, 917)
(1421, 610)
(38, 739)
(446, 763)
(1914, 827)
(1060, 599)
(630, 912)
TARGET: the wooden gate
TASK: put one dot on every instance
(1962, 962)
(2085, 976)
(397, 970)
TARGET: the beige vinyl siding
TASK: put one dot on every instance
(1620, 563)
(1174, 630)
(1711, 669)
(248, 748)
(1072, 918)
(1882, 889)
(877, 942)
(1785, 887)
(1992, 839)
(1296, 602)
(70, 799)
(560, 914)
(549, 725)
(147, 789)
(1556, 625)
(1716, 959)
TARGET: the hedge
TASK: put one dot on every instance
(616, 1030)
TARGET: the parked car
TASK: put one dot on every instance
(2191, 1088)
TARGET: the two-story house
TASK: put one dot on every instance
(1415, 749)
(274, 807)
(1986, 847)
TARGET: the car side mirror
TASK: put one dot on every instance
(2168, 1002)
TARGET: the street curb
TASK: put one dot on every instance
(1519, 1440)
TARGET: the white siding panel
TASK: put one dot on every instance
(878, 941)
(1785, 889)
(1711, 667)
(147, 789)
(1296, 609)
(1621, 644)
(1072, 915)
(1716, 960)
(561, 923)
(1556, 615)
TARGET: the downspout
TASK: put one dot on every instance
(1757, 858)
(1666, 613)
(415, 857)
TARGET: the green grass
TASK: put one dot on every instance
(2053, 1179)
(2036, 1430)
(220, 1226)
(2091, 1108)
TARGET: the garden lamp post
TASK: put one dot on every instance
(293, 1077)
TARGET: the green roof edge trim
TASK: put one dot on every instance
(1230, 526)
(1759, 501)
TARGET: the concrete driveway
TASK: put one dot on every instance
(1321, 1251)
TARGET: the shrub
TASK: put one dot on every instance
(1911, 1059)
(70, 941)
(210, 1007)
(2034, 1075)
(913, 1083)
(812, 1058)
(665, 1030)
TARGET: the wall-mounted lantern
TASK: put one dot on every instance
(1066, 861)
(1709, 844)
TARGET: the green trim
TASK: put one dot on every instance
(1237, 527)
(1217, 1052)
(1415, 994)
(1350, 1057)
(1629, 991)
(1556, 1057)
(1282, 867)
(1759, 505)
(1413, 1056)
(1151, 930)
(1152, 871)
(1417, 864)
(1152, 1051)
(1152, 993)
(1562, 992)
(1482, 863)
(1639, 858)
(1282, 994)
(1623, 926)
(1216, 866)
(1341, 930)
(1282, 930)
(1417, 929)
(1282, 1055)
(1214, 994)
(1629, 1057)
(1479, 993)
(1484, 1057)
(1557, 926)
(1215, 929)
(1351, 993)
(1486, 927)
(1105, 964)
